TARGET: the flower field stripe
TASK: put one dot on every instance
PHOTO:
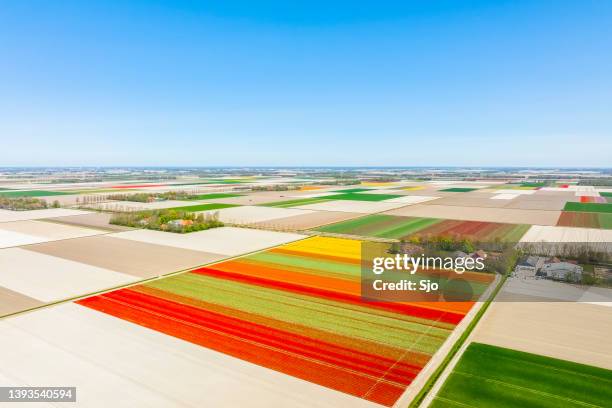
(423, 312)
(327, 352)
(407, 227)
(333, 376)
(351, 320)
(297, 309)
(354, 224)
(333, 247)
(318, 255)
(358, 345)
(390, 226)
(305, 262)
(585, 220)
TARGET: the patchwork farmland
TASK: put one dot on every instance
(268, 309)
(295, 309)
(489, 376)
(390, 226)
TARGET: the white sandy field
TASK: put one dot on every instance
(574, 331)
(363, 207)
(225, 240)
(33, 232)
(114, 363)
(136, 206)
(551, 239)
(49, 278)
(411, 199)
(8, 216)
(251, 214)
(489, 214)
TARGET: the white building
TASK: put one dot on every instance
(562, 271)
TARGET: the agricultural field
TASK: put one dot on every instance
(589, 207)
(203, 207)
(390, 226)
(458, 189)
(585, 220)
(489, 376)
(295, 309)
(213, 196)
(251, 309)
(30, 193)
(297, 202)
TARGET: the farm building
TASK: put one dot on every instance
(530, 265)
(562, 270)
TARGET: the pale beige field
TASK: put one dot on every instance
(224, 240)
(94, 220)
(306, 221)
(114, 363)
(47, 230)
(579, 332)
(8, 216)
(262, 197)
(249, 214)
(135, 258)
(48, 278)
(363, 207)
(136, 206)
(28, 232)
(508, 215)
(11, 301)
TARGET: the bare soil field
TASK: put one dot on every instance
(71, 344)
(8, 216)
(363, 207)
(135, 258)
(252, 214)
(507, 215)
(307, 221)
(225, 240)
(47, 230)
(11, 302)
(48, 278)
(91, 220)
(572, 331)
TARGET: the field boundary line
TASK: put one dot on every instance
(434, 382)
(139, 282)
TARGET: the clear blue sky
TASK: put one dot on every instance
(482, 83)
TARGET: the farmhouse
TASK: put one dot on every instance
(531, 265)
(562, 270)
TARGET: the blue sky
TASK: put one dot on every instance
(466, 83)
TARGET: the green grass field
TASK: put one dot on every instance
(204, 207)
(31, 193)
(459, 189)
(362, 197)
(605, 194)
(212, 196)
(489, 376)
(296, 202)
(588, 207)
(352, 190)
